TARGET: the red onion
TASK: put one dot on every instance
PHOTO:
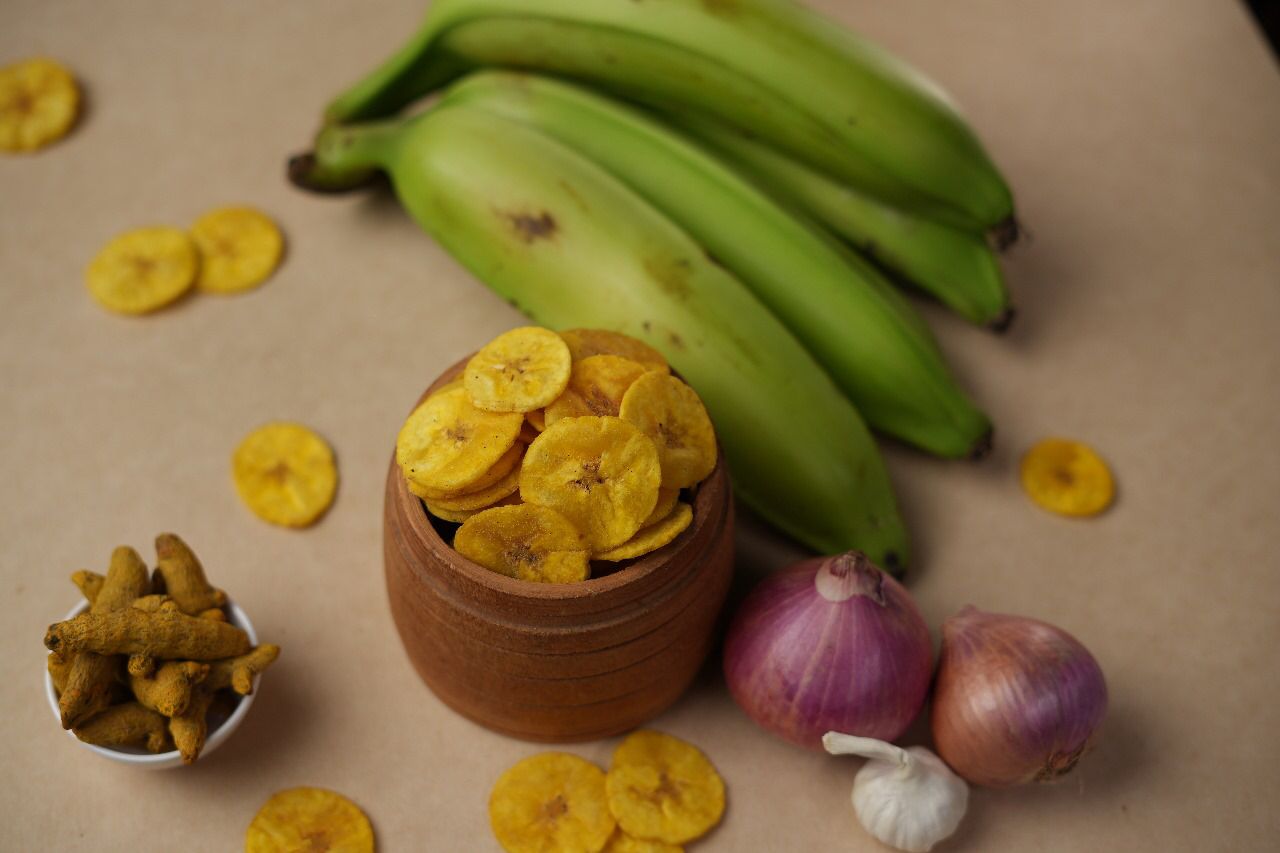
(1015, 700)
(831, 643)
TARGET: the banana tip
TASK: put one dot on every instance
(982, 446)
(1003, 320)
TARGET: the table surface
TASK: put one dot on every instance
(1141, 140)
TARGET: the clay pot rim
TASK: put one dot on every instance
(419, 525)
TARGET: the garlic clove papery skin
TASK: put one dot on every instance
(906, 798)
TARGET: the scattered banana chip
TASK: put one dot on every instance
(651, 538)
(671, 413)
(600, 473)
(666, 503)
(518, 371)
(552, 802)
(285, 473)
(143, 270)
(662, 788)
(448, 445)
(1067, 477)
(311, 819)
(239, 249)
(537, 419)
(596, 387)
(620, 842)
(525, 541)
(485, 497)
(584, 343)
(39, 102)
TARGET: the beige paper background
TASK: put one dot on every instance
(1141, 139)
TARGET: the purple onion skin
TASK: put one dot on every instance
(801, 664)
(1016, 700)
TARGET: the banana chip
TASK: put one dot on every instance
(310, 819)
(239, 249)
(584, 343)
(666, 503)
(285, 473)
(537, 419)
(39, 102)
(457, 516)
(600, 473)
(525, 541)
(671, 413)
(596, 387)
(620, 842)
(142, 270)
(552, 802)
(651, 538)
(662, 788)
(1067, 477)
(518, 371)
(503, 468)
(447, 445)
(485, 497)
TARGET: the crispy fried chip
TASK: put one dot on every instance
(448, 445)
(1067, 477)
(600, 473)
(39, 102)
(666, 503)
(537, 419)
(620, 842)
(662, 788)
(671, 413)
(285, 473)
(551, 802)
(584, 343)
(479, 499)
(596, 387)
(142, 270)
(457, 516)
(519, 370)
(310, 819)
(239, 249)
(503, 468)
(525, 541)
(651, 538)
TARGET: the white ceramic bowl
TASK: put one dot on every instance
(219, 730)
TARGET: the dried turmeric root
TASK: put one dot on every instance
(126, 725)
(59, 669)
(183, 577)
(167, 635)
(90, 676)
(190, 727)
(238, 672)
(170, 690)
(89, 583)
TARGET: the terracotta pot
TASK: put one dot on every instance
(557, 662)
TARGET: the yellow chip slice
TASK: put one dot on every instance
(285, 473)
(142, 270)
(671, 413)
(596, 387)
(552, 802)
(476, 500)
(525, 541)
(1067, 477)
(651, 538)
(239, 249)
(584, 343)
(662, 788)
(309, 819)
(457, 516)
(600, 473)
(503, 468)
(537, 419)
(620, 842)
(666, 503)
(519, 370)
(448, 445)
(39, 102)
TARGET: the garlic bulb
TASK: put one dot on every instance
(907, 798)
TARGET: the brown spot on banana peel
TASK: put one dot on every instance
(531, 227)
(671, 275)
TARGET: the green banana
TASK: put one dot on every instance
(858, 327)
(956, 267)
(570, 245)
(770, 67)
